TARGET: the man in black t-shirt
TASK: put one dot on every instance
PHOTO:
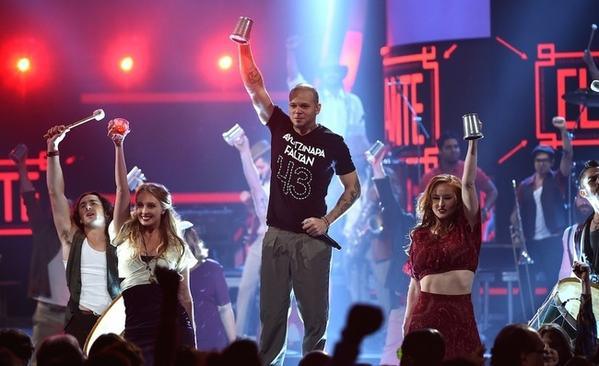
(304, 157)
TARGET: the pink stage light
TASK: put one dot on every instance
(225, 62)
(126, 64)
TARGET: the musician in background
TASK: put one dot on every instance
(583, 210)
(586, 236)
(586, 248)
(387, 255)
(450, 163)
(542, 200)
(255, 162)
(47, 279)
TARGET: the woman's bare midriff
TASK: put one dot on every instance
(458, 282)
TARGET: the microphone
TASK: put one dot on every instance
(329, 241)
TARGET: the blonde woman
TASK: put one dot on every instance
(147, 240)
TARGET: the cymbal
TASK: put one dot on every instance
(582, 97)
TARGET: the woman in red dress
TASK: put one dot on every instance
(443, 257)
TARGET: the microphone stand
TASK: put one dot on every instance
(419, 125)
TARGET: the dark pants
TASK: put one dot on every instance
(302, 263)
(80, 325)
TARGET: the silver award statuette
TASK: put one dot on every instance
(241, 34)
(373, 151)
(472, 127)
(233, 134)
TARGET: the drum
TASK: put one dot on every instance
(563, 304)
(111, 321)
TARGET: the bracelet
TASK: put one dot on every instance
(52, 153)
(326, 221)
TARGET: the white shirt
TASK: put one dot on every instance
(94, 291)
(541, 231)
(135, 272)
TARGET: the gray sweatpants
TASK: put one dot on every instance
(302, 263)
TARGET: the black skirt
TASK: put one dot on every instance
(142, 309)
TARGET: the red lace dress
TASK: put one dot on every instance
(452, 315)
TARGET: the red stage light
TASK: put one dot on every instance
(225, 62)
(126, 64)
(23, 64)
(127, 60)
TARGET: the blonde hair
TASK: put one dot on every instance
(132, 228)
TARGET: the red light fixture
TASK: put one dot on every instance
(23, 64)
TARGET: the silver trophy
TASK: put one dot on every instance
(472, 127)
(233, 134)
(241, 34)
(374, 151)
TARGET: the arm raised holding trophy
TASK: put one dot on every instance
(443, 255)
(305, 156)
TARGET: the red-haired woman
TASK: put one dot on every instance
(443, 256)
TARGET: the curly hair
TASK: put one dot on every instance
(132, 228)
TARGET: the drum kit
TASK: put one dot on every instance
(563, 304)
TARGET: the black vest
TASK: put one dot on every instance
(74, 273)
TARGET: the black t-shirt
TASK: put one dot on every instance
(302, 168)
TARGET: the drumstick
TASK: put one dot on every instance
(97, 115)
(593, 29)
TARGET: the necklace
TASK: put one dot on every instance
(147, 262)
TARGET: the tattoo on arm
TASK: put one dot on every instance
(253, 76)
(346, 200)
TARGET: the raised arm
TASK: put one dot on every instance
(19, 156)
(117, 131)
(259, 196)
(55, 182)
(565, 165)
(469, 196)
(36, 217)
(254, 84)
